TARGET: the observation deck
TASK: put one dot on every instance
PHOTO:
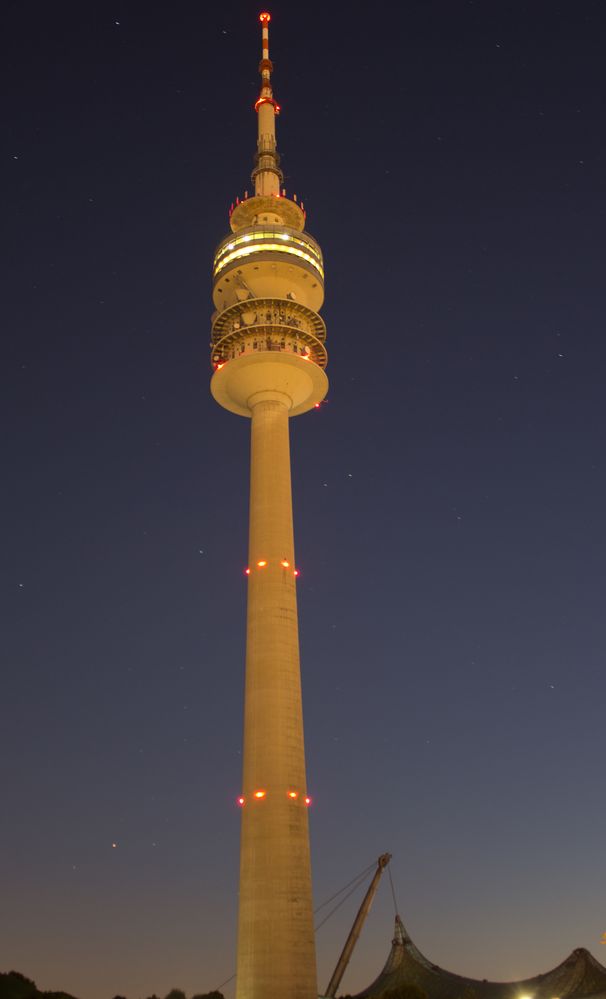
(268, 324)
(267, 335)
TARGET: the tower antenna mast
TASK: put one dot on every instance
(267, 176)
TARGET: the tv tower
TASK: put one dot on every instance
(269, 358)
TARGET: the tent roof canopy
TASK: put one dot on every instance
(580, 975)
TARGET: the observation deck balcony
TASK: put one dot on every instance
(266, 338)
(271, 324)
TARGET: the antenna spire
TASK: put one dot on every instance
(267, 176)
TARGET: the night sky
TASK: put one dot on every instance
(449, 496)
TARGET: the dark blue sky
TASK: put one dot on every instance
(449, 497)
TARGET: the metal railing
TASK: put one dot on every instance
(271, 315)
(263, 337)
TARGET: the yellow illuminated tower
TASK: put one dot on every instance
(269, 357)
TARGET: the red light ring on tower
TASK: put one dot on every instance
(267, 100)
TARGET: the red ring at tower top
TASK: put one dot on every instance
(265, 18)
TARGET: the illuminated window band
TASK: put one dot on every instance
(272, 234)
(246, 251)
(284, 244)
(268, 233)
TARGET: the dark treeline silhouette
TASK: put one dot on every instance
(399, 992)
(14, 985)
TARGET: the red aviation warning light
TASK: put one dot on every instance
(293, 794)
(260, 794)
(265, 18)
(267, 100)
(240, 801)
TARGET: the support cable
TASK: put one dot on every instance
(393, 892)
(227, 980)
(339, 904)
(355, 880)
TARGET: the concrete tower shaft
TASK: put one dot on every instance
(268, 355)
(276, 948)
